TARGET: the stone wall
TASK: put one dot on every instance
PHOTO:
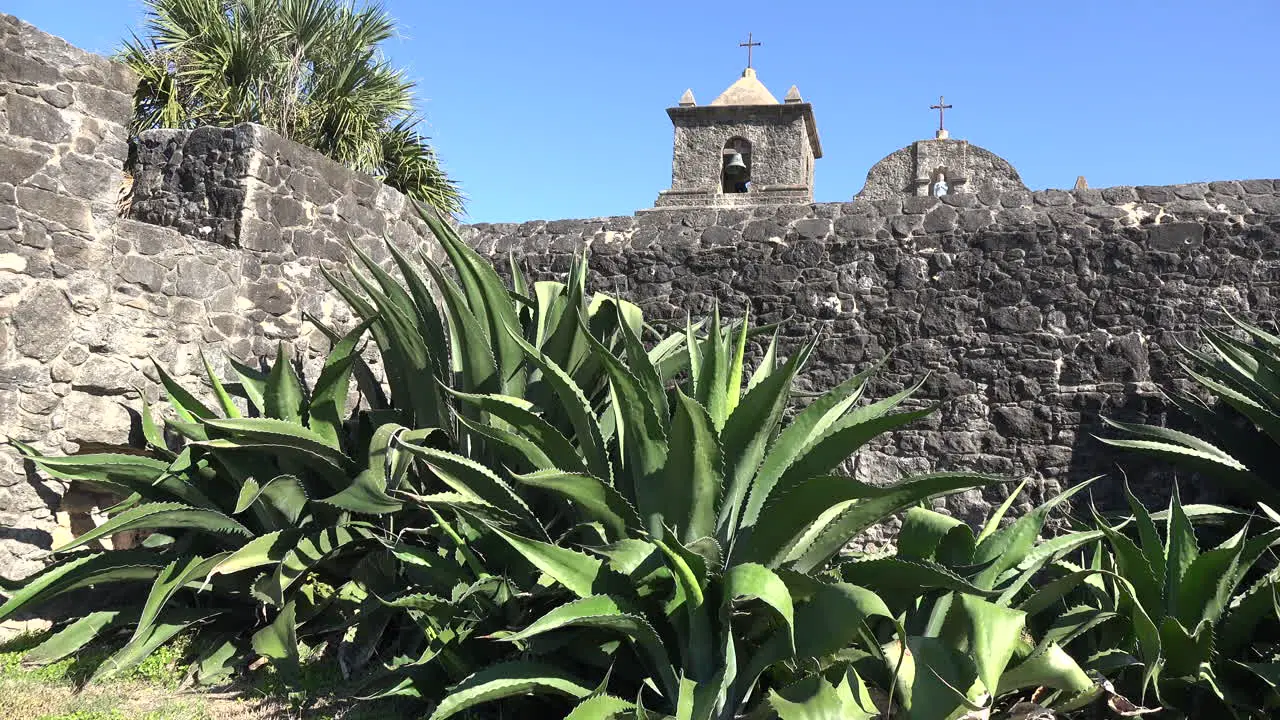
(1030, 313)
(220, 252)
(1027, 315)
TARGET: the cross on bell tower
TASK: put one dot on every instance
(941, 107)
(749, 45)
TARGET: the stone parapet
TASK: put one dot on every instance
(1028, 315)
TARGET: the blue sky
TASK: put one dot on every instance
(556, 109)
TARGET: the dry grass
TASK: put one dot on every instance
(35, 699)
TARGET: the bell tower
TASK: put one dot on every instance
(745, 148)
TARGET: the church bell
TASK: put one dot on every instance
(735, 167)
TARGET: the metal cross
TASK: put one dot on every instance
(941, 107)
(748, 45)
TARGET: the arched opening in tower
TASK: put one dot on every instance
(735, 165)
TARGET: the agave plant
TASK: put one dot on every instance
(688, 521)
(1237, 413)
(277, 490)
(257, 525)
(1196, 622)
(981, 613)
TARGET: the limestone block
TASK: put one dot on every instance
(42, 322)
(34, 119)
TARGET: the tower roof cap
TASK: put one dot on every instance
(746, 90)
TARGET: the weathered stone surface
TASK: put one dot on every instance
(30, 118)
(42, 322)
(17, 165)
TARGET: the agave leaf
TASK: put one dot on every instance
(151, 432)
(519, 414)
(184, 403)
(270, 431)
(474, 480)
(604, 612)
(215, 663)
(644, 451)
(366, 494)
(689, 485)
(896, 575)
(747, 434)
(283, 394)
(279, 640)
(329, 396)
(140, 647)
(993, 522)
(993, 633)
(842, 507)
(1207, 585)
(577, 572)
(310, 550)
(225, 401)
(430, 323)
(124, 474)
(253, 383)
(711, 389)
(509, 679)
(73, 637)
(845, 438)
(170, 580)
(1006, 548)
(1074, 622)
(1050, 667)
(81, 571)
(927, 533)
(262, 550)
(690, 573)
(473, 356)
(814, 698)
(768, 363)
(754, 581)
(934, 679)
(600, 707)
(599, 500)
(1218, 465)
(513, 450)
(1237, 629)
(1182, 653)
(287, 454)
(575, 405)
(488, 298)
(390, 337)
(1147, 534)
(411, 365)
(1131, 563)
(1180, 551)
(734, 393)
(639, 363)
(153, 516)
(1045, 596)
(285, 495)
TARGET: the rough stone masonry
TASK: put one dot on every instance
(1028, 315)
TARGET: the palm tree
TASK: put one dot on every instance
(309, 69)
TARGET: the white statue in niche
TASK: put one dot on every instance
(939, 184)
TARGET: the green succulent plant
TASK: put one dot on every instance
(1236, 413)
(254, 522)
(1198, 626)
(981, 613)
(689, 520)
